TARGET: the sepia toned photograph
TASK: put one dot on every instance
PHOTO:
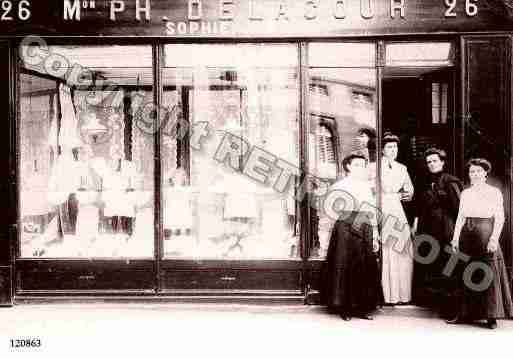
(256, 177)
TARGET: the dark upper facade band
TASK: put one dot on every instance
(252, 18)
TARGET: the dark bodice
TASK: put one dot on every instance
(440, 196)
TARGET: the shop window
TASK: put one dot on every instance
(213, 207)
(426, 54)
(340, 55)
(86, 161)
(337, 119)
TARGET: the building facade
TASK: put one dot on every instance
(183, 149)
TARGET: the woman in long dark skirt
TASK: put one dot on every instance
(437, 209)
(476, 234)
(351, 271)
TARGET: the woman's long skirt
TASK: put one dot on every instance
(431, 287)
(351, 269)
(397, 265)
(486, 292)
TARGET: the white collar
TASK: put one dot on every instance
(388, 163)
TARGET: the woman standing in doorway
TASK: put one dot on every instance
(476, 234)
(397, 265)
(437, 208)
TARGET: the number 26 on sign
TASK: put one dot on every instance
(470, 7)
(11, 10)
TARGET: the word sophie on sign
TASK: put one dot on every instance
(261, 10)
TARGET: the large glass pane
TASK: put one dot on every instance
(419, 54)
(338, 55)
(86, 152)
(224, 194)
(342, 113)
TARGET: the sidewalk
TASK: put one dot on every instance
(241, 331)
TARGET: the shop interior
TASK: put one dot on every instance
(88, 149)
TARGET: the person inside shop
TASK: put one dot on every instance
(397, 259)
(437, 205)
(351, 285)
(476, 234)
(366, 139)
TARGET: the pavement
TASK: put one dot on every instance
(74, 330)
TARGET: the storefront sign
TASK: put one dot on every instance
(253, 18)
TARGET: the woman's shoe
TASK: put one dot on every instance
(491, 323)
(366, 316)
(455, 320)
(345, 317)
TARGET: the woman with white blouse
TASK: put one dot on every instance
(351, 270)
(397, 264)
(476, 234)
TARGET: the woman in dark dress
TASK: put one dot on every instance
(476, 234)
(437, 209)
(351, 271)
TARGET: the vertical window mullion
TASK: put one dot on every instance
(380, 65)
(15, 154)
(304, 128)
(157, 53)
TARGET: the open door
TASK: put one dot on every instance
(419, 106)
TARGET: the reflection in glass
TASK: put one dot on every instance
(342, 105)
(86, 167)
(213, 207)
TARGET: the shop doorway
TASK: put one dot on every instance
(419, 106)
